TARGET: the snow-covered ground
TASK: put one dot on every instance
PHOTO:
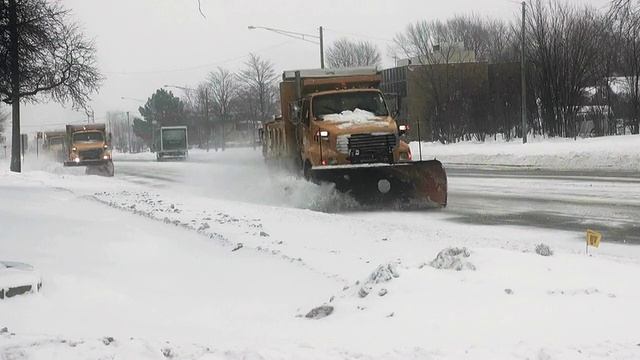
(133, 271)
(603, 153)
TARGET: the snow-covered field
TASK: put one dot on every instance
(604, 153)
(133, 271)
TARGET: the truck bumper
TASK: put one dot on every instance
(86, 163)
(172, 153)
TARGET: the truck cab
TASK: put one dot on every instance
(351, 126)
(87, 145)
(54, 144)
(342, 118)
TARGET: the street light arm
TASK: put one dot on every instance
(128, 98)
(295, 35)
(299, 36)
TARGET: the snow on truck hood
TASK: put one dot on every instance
(355, 118)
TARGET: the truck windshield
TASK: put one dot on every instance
(371, 101)
(56, 141)
(91, 136)
(174, 139)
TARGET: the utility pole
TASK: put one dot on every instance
(321, 48)
(523, 76)
(129, 132)
(16, 164)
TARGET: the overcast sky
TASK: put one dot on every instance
(145, 44)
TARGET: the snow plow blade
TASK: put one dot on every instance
(418, 183)
(105, 169)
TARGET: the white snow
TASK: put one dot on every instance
(137, 268)
(603, 153)
(356, 117)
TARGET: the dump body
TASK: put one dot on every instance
(88, 145)
(336, 127)
(173, 142)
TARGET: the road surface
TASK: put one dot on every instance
(605, 201)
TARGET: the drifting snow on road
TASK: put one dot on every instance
(213, 258)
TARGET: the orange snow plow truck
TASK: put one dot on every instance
(335, 127)
(88, 145)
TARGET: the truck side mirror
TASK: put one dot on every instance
(294, 112)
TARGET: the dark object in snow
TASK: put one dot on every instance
(543, 250)
(107, 340)
(383, 273)
(4, 330)
(508, 291)
(391, 315)
(204, 226)
(320, 312)
(238, 247)
(453, 259)
(29, 281)
(364, 290)
(264, 234)
(383, 292)
(167, 353)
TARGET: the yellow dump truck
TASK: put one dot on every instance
(88, 145)
(54, 144)
(335, 126)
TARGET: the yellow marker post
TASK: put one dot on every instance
(593, 239)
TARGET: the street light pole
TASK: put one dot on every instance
(523, 79)
(321, 48)
(129, 128)
(207, 125)
(299, 36)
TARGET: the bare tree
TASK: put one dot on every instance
(258, 90)
(4, 115)
(223, 86)
(42, 52)
(630, 66)
(564, 48)
(346, 53)
(622, 8)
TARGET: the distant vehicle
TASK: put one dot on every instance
(54, 144)
(173, 143)
(88, 145)
(335, 127)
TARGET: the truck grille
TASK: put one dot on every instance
(93, 154)
(367, 148)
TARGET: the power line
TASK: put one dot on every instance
(61, 124)
(200, 66)
(360, 35)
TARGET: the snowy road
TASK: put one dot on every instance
(562, 200)
(214, 258)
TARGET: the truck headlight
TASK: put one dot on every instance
(322, 134)
(405, 156)
(76, 160)
(74, 148)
